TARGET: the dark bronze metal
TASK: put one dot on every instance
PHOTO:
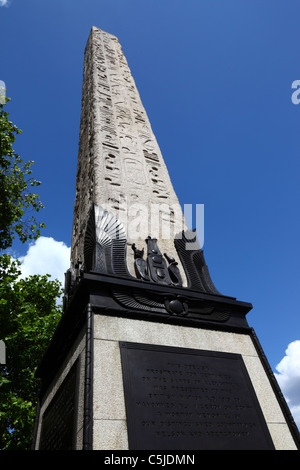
(193, 262)
(157, 265)
(174, 272)
(186, 399)
(59, 420)
(88, 381)
(140, 265)
(105, 244)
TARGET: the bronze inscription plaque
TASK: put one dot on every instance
(58, 425)
(186, 399)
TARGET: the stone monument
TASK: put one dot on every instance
(148, 354)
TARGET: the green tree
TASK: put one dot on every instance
(29, 316)
(17, 202)
(29, 311)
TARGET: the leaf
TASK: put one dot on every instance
(28, 318)
(16, 199)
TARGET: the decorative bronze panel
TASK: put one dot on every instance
(187, 399)
(59, 419)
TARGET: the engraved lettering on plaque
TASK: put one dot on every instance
(184, 399)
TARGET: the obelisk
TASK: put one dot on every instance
(120, 166)
(148, 354)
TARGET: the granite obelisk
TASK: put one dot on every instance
(148, 354)
(120, 166)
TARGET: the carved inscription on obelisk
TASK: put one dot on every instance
(120, 166)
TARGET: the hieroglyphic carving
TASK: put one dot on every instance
(112, 168)
(119, 158)
(135, 171)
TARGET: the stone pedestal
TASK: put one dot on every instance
(85, 400)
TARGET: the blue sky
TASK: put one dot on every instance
(215, 78)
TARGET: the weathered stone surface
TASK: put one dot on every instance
(120, 166)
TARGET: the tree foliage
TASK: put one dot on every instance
(17, 202)
(29, 314)
(29, 311)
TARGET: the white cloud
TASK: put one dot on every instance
(46, 256)
(3, 3)
(288, 377)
